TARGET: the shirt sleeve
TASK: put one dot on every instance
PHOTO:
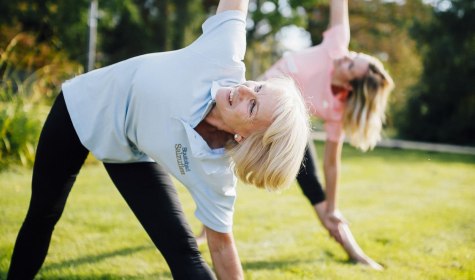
(336, 41)
(224, 38)
(215, 210)
(215, 197)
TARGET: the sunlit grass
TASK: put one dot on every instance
(411, 211)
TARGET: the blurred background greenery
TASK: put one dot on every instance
(427, 45)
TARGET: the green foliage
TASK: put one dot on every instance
(266, 19)
(442, 106)
(19, 131)
(130, 28)
(411, 211)
(30, 75)
(127, 28)
(60, 24)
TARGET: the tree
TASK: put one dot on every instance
(442, 106)
(133, 27)
(266, 19)
(34, 36)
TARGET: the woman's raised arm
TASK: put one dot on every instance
(339, 12)
(225, 5)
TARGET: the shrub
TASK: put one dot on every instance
(31, 73)
(19, 131)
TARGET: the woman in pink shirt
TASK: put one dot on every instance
(349, 92)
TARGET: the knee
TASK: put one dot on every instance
(39, 220)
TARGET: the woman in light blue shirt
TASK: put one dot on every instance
(188, 112)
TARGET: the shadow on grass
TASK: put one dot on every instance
(97, 258)
(349, 261)
(91, 259)
(247, 265)
(283, 264)
(106, 276)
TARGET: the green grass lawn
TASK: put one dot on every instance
(414, 212)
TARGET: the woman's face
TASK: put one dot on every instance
(246, 108)
(353, 66)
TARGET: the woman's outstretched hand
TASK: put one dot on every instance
(331, 221)
(339, 229)
(354, 251)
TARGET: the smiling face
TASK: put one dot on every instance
(246, 108)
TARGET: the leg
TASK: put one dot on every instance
(150, 194)
(59, 157)
(308, 177)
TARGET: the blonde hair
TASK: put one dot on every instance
(365, 107)
(271, 158)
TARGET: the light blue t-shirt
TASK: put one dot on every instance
(145, 109)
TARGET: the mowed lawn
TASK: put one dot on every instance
(412, 211)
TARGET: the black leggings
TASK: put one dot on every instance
(308, 177)
(145, 186)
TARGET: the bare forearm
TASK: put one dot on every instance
(331, 188)
(227, 264)
(339, 12)
(224, 255)
(331, 169)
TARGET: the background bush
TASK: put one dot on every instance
(19, 130)
(30, 77)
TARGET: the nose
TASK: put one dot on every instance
(347, 58)
(245, 92)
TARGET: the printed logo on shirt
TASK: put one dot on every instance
(181, 154)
